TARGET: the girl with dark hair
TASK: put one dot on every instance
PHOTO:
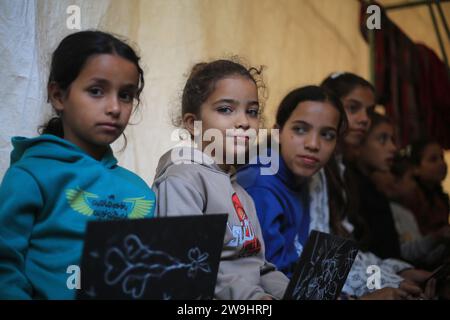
(309, 120)
(222, 97)
(430, 204)
(67, 176)
(334, 194)
(376, 154)
(358, 98)
(293, 200)
(399, 185)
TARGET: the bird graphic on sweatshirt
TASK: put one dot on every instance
(87, 203)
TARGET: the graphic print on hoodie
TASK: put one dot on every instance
(47, 196)
(243, 234)
(107, 207)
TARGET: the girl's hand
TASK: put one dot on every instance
(416, 276)
(411, 289)
(266, 298)
(430, 289)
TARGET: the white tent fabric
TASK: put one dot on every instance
(20, 90)
(29, 31)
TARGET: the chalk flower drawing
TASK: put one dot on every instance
(320, 283)
(136, 263)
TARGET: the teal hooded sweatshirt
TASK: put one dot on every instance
(47, 196)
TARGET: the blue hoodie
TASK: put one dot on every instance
(48, 194)
(282, 210)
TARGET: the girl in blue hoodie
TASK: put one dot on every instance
(294, 199)
(68, 175)
(309, 120)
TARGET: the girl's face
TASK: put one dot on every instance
(308, 138)
(433, 168)
(378, 150)
(394, 187)
(231, 110)
(97, 106)
(406, 184)
(358, 104)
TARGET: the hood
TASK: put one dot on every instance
(185, 155)
(49, 146)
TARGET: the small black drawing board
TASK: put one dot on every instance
(158, 258)
(322, 268)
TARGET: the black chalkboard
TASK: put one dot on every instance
(322, 268)
(159, 258)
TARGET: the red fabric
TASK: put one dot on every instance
(434, 98)
(411, 82)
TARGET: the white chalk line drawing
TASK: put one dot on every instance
(136, 264)
(324, 271)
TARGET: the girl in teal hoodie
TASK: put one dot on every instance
(68, 175)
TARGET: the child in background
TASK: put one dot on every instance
(68, 175)
(399, 184)
(376, 153)
(430, 204)
(311, 122)
(335, 193)
(223, 96)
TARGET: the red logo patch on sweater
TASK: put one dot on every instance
(244, 234)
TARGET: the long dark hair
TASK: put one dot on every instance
(70, 57)
(350, 186)
(344, 199)
(342, 83)
(417, 150)
(343, 195)
(284, 111)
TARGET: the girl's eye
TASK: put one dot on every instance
(383, 139)
(95, 91)
(329, 135)
(225, 110)
(353, 108)
(126, 96)
(253, 112)
(371, 110)
(434, 159)
(299, 130)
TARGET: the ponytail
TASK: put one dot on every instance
(54, 126)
